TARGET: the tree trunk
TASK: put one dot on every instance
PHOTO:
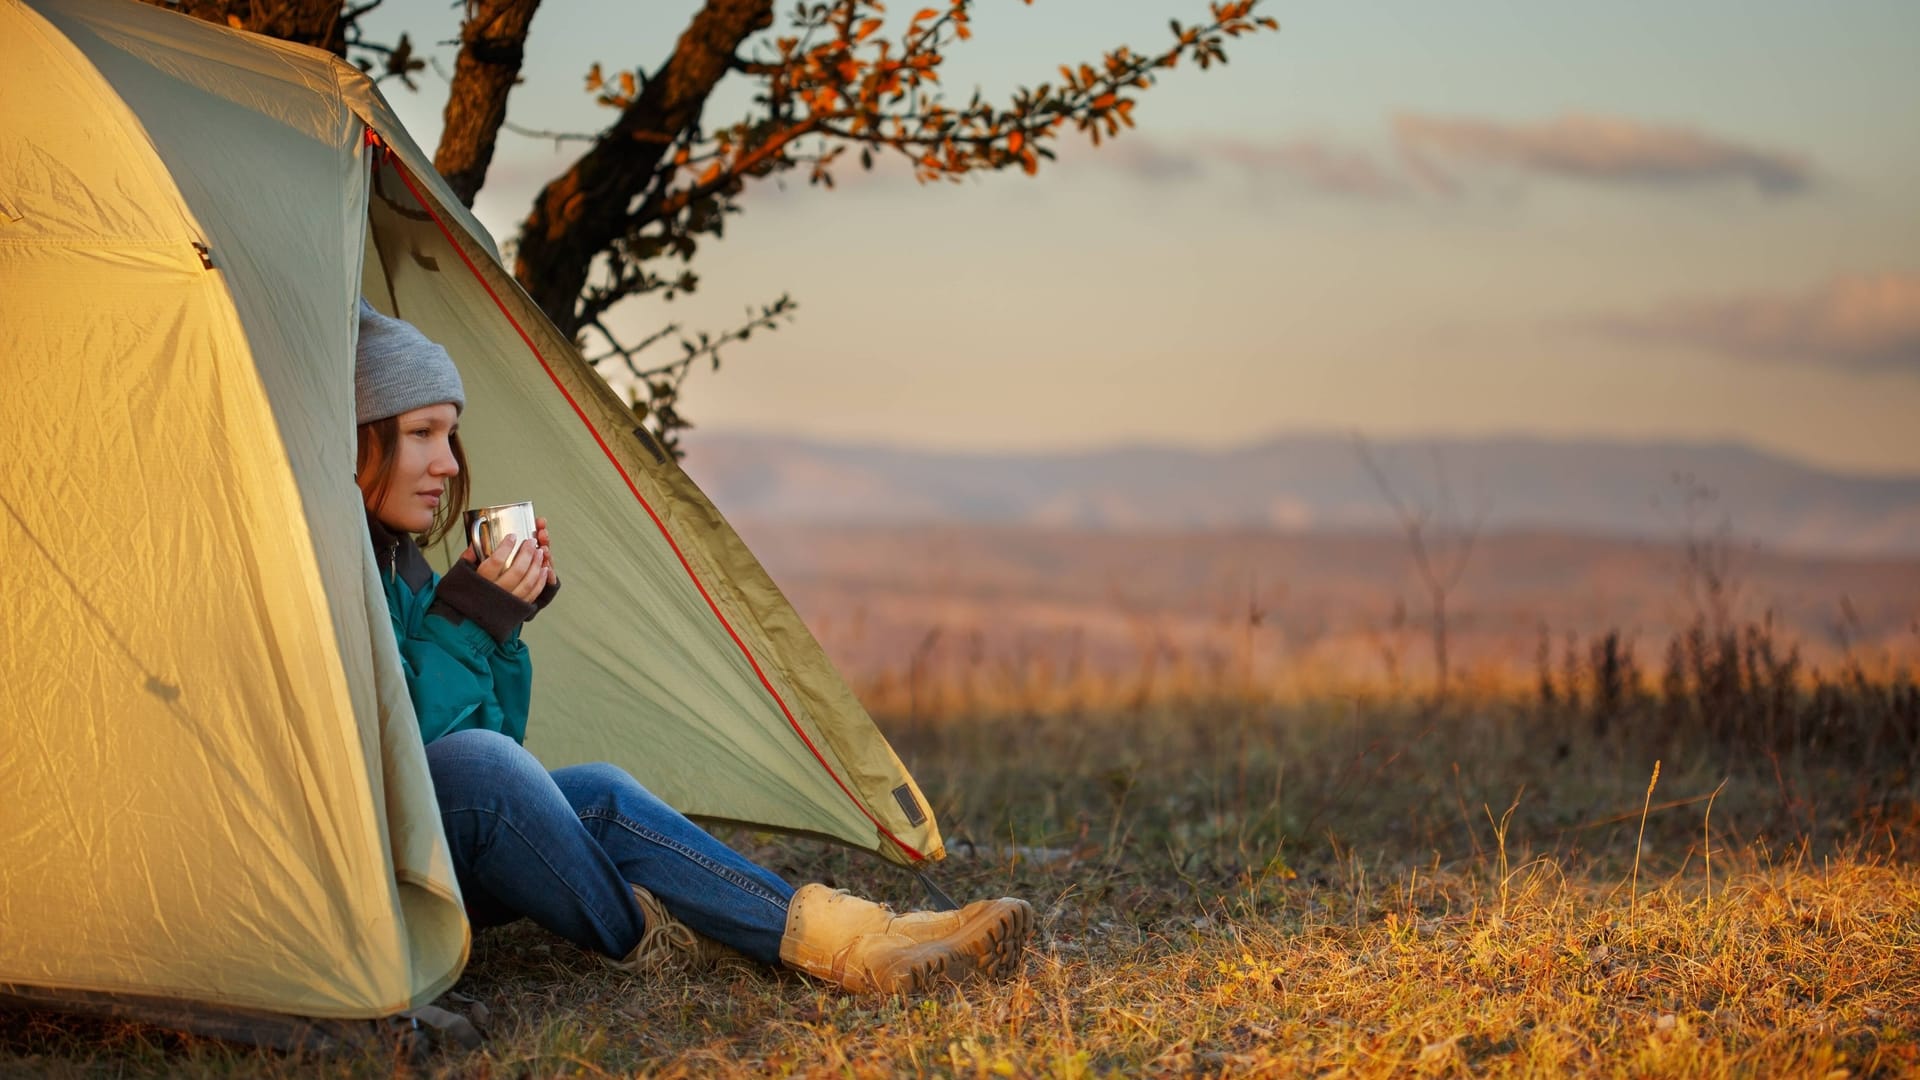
(307, 22)
(492, 44)
(585, 209)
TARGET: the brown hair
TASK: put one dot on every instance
(373, 471)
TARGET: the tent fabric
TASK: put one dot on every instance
(193, 809)
(216, 789)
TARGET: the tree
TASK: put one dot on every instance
(627, 215)
(1440, 543)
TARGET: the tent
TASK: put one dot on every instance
(215, 793)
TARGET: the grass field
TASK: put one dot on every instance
(1348, 887)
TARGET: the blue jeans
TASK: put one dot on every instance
(560, 847)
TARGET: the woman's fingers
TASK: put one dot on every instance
(534, 577)
(522, 567)
(546, 549)
(545, 575)
(508, 563)
(525, 556)
(496, 564)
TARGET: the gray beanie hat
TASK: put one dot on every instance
(397, 369)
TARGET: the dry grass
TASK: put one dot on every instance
(1346, 889)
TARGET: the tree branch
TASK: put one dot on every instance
(556, 136)
(492, 46)
(584, 211)
(319, 23)
(661, 383)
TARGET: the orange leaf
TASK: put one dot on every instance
(867, 29)
(713, 172)
(1015, 141)
(925, 13)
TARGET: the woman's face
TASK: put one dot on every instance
(423, 461)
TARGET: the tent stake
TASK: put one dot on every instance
(937, 899)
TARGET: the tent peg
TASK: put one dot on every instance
(937, 899)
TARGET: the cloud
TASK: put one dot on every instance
(1592, 148)
(1870, 322)
(1434, 154)
(1315, 164)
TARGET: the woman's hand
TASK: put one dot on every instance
(526, 576)
(540, 534)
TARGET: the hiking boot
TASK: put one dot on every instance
(863, 946)
(668, 944)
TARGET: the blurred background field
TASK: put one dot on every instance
(1288, 570)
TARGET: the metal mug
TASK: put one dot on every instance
(488, 525)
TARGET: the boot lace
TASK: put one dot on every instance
(667, 943)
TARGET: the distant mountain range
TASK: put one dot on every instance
(1303, 483)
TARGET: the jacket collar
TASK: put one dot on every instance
(397, 551)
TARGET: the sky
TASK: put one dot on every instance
(1632, 220)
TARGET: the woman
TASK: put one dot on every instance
(584, 851)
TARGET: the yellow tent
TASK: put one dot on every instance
(215, 790)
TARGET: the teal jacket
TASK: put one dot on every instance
(459, 639)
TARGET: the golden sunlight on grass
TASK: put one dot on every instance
(1491, 887)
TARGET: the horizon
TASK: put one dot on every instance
(1123, 443)
(1308, 482)
(1521, 530)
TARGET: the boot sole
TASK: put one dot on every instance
(995, 952)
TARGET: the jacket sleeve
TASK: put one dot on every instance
(459, 673)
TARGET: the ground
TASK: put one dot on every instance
(1341, 888)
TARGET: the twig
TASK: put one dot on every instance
(1629, 815)
(1500, 837)
(1633, 893)
(628, 352)
(557, 136)
(1706, 835)
(1466, 820)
